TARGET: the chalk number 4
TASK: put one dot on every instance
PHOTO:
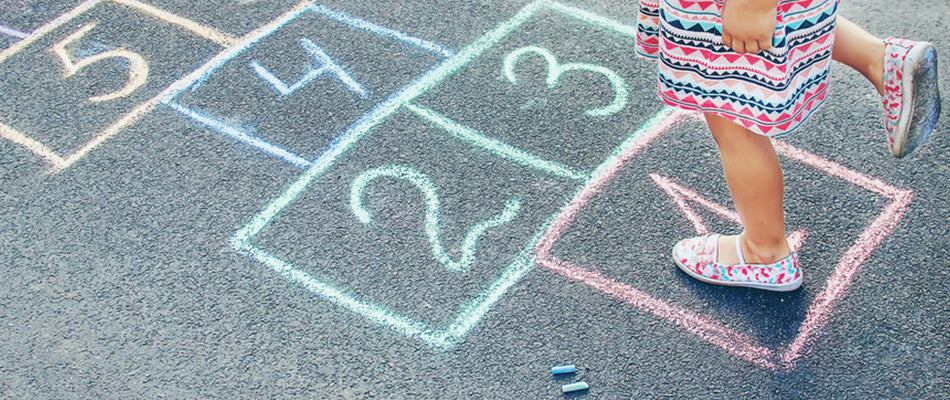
(556, 69)
(138, 67)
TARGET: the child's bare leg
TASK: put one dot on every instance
(860, 50)
(755, 181)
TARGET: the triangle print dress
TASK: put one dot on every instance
(770, 93)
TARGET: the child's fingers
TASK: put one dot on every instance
(727, 39)
(752, 46)
(738, 46)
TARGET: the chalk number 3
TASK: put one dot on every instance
(138, 67)
(556, 69)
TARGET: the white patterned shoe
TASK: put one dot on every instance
(697, 257)
(911, 97)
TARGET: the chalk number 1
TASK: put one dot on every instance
(138, 67)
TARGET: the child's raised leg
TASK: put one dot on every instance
(858, 49)
(755, 181)
(904, 72)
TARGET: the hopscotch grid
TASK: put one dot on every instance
(60, 163)
(375, 117)
(497, 147)
(7, 132)
(47, 28)
(714, 331)
(447, 337)
(361, 24)
(196, 79)
(222, 39)
(14, 33)
(193, 27)
(233, 132)
(199, 77)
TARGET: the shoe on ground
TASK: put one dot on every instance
(698, 258)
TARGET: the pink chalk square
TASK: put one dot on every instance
(715, 330)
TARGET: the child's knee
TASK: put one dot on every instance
(730, 134)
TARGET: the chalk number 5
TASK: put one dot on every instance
(138, 67)
(556, 69)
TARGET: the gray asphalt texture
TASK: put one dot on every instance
(118, 280)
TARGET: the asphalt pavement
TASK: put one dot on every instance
(434, 200)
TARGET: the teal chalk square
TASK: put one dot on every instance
(388, 266)
(310, 235)
(552, 121)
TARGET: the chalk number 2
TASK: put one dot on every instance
(433, 232)
(556, 69)
(138, 67)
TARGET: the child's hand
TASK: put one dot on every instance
(748, 25)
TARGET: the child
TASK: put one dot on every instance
(759, 68)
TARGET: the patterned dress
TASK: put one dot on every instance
(769, 93)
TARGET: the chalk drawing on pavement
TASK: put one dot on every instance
(322, 64)
(14, 33)
(710, 329)
(682, 196)
(499, 148)
(137, 65)
(433, 210)
(556, 70)
(326, 66)
(472, 312)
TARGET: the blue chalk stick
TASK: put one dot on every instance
(563, 369)
(573, 387)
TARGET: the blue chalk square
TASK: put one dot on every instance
(290, 93)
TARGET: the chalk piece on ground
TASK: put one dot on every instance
(576, 386)
(563, 369)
